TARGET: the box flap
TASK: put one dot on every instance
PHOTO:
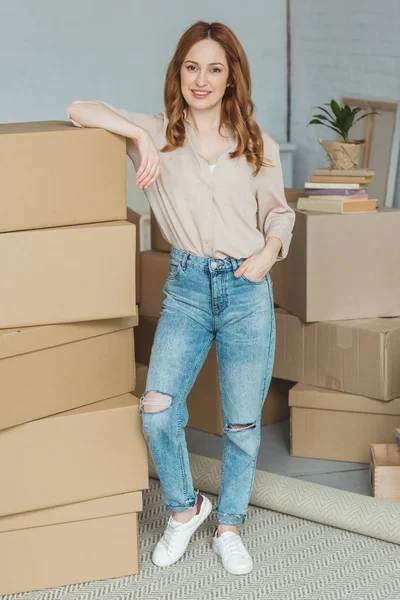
(35, 127)
(308, 396)
(108, 404)
(29, 339)
(78, 511)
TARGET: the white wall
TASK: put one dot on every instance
(340, 48)
(53, 52)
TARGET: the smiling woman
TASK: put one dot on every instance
(214, 181)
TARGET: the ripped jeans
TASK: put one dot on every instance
(205, 302)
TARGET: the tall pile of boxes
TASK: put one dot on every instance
(203, 400)
(338, 332)
(73, 460)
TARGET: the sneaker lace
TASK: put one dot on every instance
(171, 535)
(234, 546)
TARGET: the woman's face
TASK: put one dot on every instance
(204, 68)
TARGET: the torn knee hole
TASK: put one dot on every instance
(155, 401)
(247, 426)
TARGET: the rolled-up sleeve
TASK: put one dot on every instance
(150, 122)
(275, 217)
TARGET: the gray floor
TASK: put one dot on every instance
(274, 457)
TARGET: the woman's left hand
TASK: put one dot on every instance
(256, 266)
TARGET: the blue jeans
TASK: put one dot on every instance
(205, 302)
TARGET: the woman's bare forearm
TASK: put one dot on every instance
(90, 114)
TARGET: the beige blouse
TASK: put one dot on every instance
(213, 213)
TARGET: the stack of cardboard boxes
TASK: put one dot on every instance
(203, 400)
(338, 332)
(73, 460)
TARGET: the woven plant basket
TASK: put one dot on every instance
(342, 155)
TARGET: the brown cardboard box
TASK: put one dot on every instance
(67, 274)
(341, 266)
(154, 270)
(54, 174)
(158, 242)
(53, 368)
(141, 376)
(134, 217)
(293, 194)
(359, 356)
(143, 339)
(336, 426)
(204, 401)
(85, 541)
(89, 452)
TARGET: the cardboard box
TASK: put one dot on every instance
(143, 339)
(203, 401)
(53, 368)
(359, 356)
(154, 270)
(134, 217)
(67, 274)
(341, 266)
(384, 471)
(80, 542)
(158, 241)
(293, 194)
(336, 426)
(55, 174)
(141, 377)
(81, 454)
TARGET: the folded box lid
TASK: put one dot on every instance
(309, 396)
(110, 403)
(30, 339)
(35, 127)
(78, 511)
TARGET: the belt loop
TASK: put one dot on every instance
(184, 260)
(234, 263)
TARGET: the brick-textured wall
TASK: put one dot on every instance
(341, 48)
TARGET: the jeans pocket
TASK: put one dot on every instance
(263, 280)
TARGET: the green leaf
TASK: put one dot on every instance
(331, 121)
(318, 122)
(325, 111)
(363, 116)
(348, 123)
(336, 109)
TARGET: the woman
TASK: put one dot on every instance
(218, 286)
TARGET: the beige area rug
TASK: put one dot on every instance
(294, 559)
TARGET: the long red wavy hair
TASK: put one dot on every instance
(237, 106)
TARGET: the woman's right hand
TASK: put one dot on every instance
(149, 168)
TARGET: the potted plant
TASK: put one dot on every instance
(343, 153)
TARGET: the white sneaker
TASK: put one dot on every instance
(235, 557)
(175, 539)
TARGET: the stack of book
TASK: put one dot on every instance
(338, 191)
